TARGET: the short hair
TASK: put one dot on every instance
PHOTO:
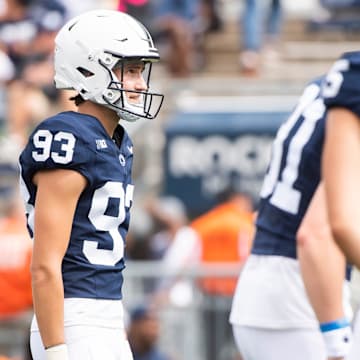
(78, 99)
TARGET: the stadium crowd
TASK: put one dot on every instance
(160, 224)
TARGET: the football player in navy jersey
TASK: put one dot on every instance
(77, 186)
(271, 315)
(341, 164)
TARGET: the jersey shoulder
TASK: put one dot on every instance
(341, 86)
(79, 124)
(67, 140)
(353, 57)
(316, 81)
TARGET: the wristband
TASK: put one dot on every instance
(57, 352)
(337, 336)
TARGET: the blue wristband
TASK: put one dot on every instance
(333, 325)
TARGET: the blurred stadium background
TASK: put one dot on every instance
(215, 130)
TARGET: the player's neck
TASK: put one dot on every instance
(107, 117)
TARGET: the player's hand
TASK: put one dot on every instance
(336, 358)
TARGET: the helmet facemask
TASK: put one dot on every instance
(117, 97)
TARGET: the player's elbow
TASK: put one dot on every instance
(343, 231)
(304, 237)
(43, 273)
(340, 229)
(309, 237)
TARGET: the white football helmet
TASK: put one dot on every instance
(88, 48)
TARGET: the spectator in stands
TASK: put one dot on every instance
(225, 236)
(259, 20)
(175, 24)
(169, 215)
(155, 226)
(15, 255)
(143, 334)
(152, 231)
(74, 8)
(27, 30)
(340, 15)
(126, 5)
(15, 278)
(221, 235)
(212, 18)
(15, 242)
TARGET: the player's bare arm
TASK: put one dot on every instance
(341, 169)
(57, 196)
(314, 243)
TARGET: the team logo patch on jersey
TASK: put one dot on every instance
(122, 160)
(101, 144)
(130, 148)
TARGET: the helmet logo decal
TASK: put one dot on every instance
(100, 144)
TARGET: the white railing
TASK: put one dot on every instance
(194, 324)
(190, 320)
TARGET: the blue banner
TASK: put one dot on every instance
(207, 152)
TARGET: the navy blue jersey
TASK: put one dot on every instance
(292, 177)
(341, 87)
(93, 263)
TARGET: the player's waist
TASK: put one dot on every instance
(268, 243)
(93, 282)
(91, 312)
